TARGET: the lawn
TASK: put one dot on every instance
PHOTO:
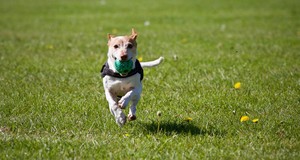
(52, 102)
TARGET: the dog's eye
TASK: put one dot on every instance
(116, 46)
(129, 46)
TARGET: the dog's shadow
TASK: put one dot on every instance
(183, 128)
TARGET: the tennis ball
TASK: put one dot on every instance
(123, 67)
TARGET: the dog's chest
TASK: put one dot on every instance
(120, 86)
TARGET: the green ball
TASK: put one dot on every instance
(123, 67)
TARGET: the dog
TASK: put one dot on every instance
(122, 76)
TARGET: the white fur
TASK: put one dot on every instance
(152, 63)
(129, 88)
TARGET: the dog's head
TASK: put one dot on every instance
(122, 48)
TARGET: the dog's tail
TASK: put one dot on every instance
(152, 63)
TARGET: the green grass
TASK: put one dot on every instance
(52, 101)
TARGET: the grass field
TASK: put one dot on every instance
(52, 104)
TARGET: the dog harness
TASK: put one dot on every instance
(138, 69)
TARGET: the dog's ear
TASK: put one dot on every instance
(133, 34)
(109, 37)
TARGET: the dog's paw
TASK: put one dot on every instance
(123, 102)
(131, 117)
(121, 119)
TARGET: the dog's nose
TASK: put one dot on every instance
(124, 57)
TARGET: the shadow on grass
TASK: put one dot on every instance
(184, 128)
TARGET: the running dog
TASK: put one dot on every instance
(122, 76)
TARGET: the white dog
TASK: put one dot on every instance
(122, 76)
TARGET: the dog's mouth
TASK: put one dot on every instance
(123, 67)
(115, 58)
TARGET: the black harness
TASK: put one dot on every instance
(138, 69)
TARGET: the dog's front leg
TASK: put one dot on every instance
(114, 109)
(133, 95)
(135, 99)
